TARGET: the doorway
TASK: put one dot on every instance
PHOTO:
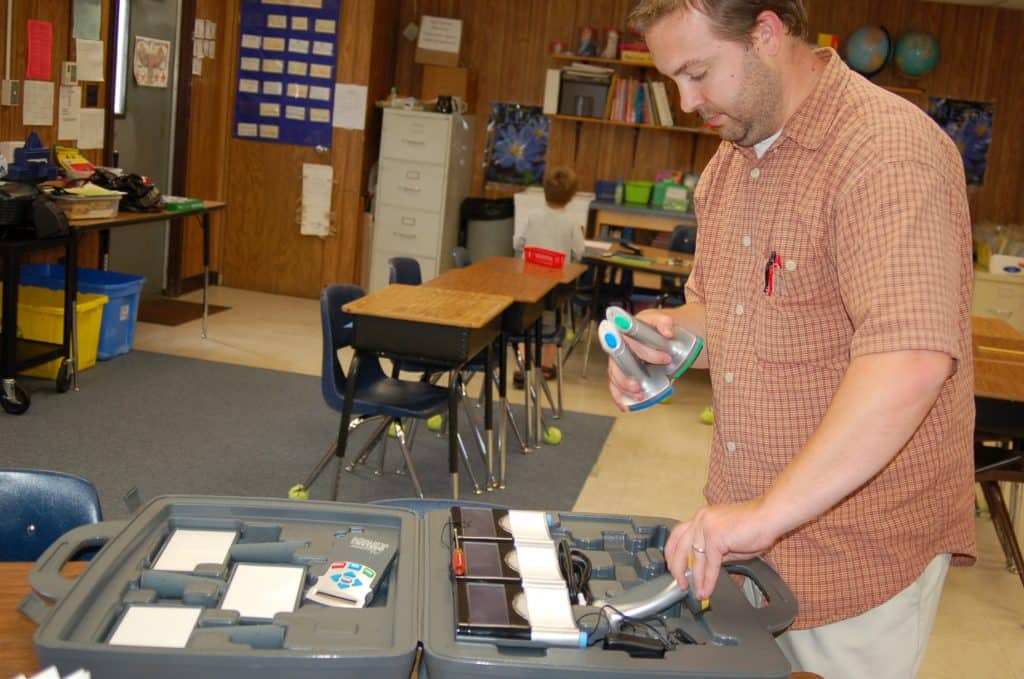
(143, 134)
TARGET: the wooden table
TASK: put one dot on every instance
(998, 360)
(427, 325)
(17, 650)
(123, 219)
(624, 215)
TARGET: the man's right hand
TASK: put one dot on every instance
(623, 387)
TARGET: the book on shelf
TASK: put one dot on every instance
(552, 84)
(662, 103)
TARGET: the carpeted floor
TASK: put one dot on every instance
(170, 425)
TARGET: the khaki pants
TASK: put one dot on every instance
(887, 642)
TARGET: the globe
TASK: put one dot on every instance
(917, 53)
(868, 49)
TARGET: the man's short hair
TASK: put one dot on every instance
(730, 19)
(559, 186)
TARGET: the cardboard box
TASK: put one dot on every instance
(440, 41)
(451, 81)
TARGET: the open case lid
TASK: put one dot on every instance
(312, 641)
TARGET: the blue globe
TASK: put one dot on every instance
(917, 54)
(868, 49)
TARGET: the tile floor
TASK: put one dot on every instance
(653, 463)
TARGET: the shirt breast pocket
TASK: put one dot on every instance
(801, 319)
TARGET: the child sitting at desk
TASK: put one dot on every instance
(553, 228)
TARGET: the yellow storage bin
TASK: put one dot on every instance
(41, 318)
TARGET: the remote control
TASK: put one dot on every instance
(683, 349)
(346, 583)
(654, 383)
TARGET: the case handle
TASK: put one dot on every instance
(45, 577)
(782, 607)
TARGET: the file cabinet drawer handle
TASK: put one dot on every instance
(409, 221)
(414, 142)
(412, 174)
(404, 235)
(412, 189)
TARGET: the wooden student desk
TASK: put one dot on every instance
(429, 325)
(533, 288)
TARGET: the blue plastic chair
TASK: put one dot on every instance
(461, 257)
(404, 270)
(376, 395)
(37, 507)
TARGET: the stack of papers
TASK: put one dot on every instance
(90, 190)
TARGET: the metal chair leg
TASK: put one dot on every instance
(477, 434)
(326, 459)
(371, 443)
(586, 349)
(559, 365)
(469, 466)
(407, 454)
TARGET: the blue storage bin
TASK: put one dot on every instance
(117, 328)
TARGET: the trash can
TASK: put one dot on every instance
(486, 227)
(117, 330)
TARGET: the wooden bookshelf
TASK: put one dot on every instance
(600, 60)
(623, 123)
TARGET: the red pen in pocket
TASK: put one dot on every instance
(774, 262)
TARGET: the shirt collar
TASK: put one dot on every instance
(812, 120)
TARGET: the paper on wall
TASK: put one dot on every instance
(70, 104)
(317, 181)
(90, 133)
(350, 106)
(89, 57)
(38, 106)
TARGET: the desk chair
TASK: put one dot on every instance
(684, 240)
(37, 507)
(992, 466)
(461, 257)
(376, 396)
(598, 288)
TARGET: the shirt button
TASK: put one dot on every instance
(746, 241)
(739, 309)
(790, 265)
(728, 378)
(755, 173)
(730, 446)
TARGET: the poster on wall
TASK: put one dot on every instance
(969, 125)
(517, 142)
(151, 63)
(286, 71)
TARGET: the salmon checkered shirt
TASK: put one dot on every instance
(863, 200)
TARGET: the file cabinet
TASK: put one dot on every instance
(423, 175)
(999, 296)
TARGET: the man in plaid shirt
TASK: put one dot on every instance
(832, 285)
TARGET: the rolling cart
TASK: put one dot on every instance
(18, 354)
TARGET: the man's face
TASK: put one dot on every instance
(725, 82)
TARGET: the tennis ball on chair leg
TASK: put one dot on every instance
(435, 422)
(298, 492)
(393, 430)
(552, 436)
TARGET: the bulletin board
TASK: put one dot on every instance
(286, 62)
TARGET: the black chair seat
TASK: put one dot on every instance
(400, 398)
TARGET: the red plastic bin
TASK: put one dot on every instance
(551, 258)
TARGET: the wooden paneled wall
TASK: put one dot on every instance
(58, 13)
(981, 61)
(260, 247)
(506, 42)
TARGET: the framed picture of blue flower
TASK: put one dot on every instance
(517, 142)
(969, 125)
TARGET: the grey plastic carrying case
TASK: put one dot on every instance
(408, 624)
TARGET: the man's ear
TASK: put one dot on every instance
(768, 33)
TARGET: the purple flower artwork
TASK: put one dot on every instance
(969, 125)
(517, 141)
